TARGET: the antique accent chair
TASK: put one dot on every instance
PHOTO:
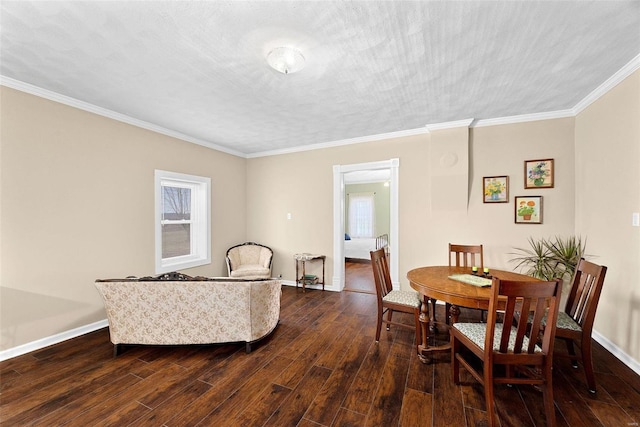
(249, 260)
(575, 323)
(390, 300)
(511, 345)
(463, 256)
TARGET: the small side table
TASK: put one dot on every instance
(305, 279)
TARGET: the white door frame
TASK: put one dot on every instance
(339, 221)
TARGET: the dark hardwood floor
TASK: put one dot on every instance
(321, 367)
(358, 277)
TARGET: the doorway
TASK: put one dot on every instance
(339, 171)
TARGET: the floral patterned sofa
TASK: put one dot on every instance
(174, 309)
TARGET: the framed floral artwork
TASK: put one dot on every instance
(495, 189)
(528, 209)
(538, 173)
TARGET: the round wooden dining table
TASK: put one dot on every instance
(433, 283)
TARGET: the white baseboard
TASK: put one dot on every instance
(53, 339)
(617, 352)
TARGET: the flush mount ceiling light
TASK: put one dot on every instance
(286, 60)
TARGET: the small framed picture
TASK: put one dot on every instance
(495, 189)
(538, 173)
(528, 209)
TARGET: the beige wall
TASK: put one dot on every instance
(77, 205)
(608, 192)
(301, 184)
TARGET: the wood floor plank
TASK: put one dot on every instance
(86, 402)
(511, 409)
(572, 407)
(228, 377)
(420, 375)
(305, 360)
(113, 404)
(360, 396)
(248, 392)
(296, 404)
(348, 418)
(416, 408)
(266, 404)
(387, 404)
(345, 329)
(327, 403)
(167, 410)
(37, 403)
(472, 392)
(610, 414)
(125, 415)
(623, 394)
(447, 398)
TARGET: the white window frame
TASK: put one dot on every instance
(200, 220)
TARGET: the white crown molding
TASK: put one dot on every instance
(338, 143)
(449, 125)
(53, 339)
(524, 118)
(609, 84)
(76, 103)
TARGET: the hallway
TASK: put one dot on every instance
(358, 278)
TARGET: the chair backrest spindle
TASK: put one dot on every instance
(466, 255)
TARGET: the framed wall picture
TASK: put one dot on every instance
(495, 189)
(538, 173)
(528, 209)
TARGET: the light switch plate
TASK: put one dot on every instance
(635, 219)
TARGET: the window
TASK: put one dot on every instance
(361, 215)
(182, 220)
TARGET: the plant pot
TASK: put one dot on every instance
(538, 182)
(526, 217)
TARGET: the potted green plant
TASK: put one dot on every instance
(551, 258)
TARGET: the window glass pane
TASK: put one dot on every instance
(361, 215)
(176, 240)
(176, 203)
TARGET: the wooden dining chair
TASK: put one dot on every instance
(390, 300)
(512, 343)
(464, 256)
(575, 323)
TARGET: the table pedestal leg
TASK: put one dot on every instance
(432, 342)
(424, 330)
(433, 327)
(454, 312)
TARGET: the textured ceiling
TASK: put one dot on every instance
(373, 67)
